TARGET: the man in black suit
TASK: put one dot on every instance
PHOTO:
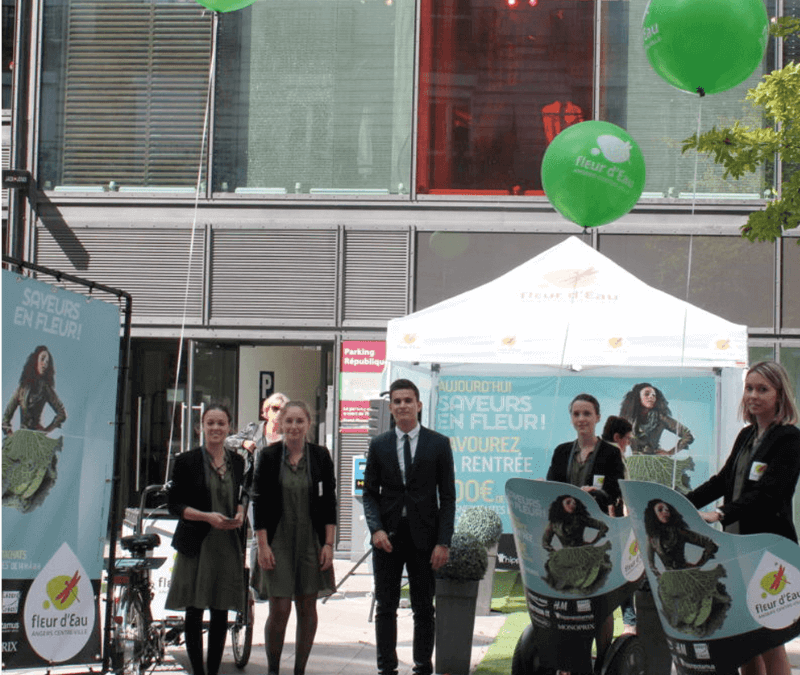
(410, 505)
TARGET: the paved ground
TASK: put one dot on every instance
(345, 642)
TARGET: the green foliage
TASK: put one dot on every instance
(483, 523)
(694, 601)
(662, 470)
(742, 149)
(578, 569)
(28, 468)
(467, 561)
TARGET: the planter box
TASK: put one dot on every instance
(486, 585)
(455, 624)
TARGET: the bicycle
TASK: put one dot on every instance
(138, 641)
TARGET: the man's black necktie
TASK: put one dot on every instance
(407, 455)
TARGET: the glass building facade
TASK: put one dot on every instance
(375, 97)
(305, 172)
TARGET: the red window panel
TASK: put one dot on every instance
(498, 81)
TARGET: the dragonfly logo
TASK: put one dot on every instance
(774, 582)
(62, 591)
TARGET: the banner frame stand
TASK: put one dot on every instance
(17, 265)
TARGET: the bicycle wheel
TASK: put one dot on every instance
(242, 632)
(131, 651)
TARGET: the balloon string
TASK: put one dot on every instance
(697, 154)
(688, 283)
(563, 353)
(683, 355)
(211, 71)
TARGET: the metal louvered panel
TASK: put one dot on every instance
(264, 276)
(376, 275)
(350, 445)
(150, 264)
(135, 92)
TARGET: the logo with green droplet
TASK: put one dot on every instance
(62, 591)
(774, 582)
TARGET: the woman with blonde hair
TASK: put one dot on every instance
(257, 435)
(759, 478)
(294, 503)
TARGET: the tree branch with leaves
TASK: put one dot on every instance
(742, 149)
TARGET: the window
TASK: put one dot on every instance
(315, 97)
(124, 90)
(790, 282)
(449, 263)
(730, 276)
(498, 81)
(659, 116)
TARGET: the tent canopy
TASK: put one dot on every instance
(569, 306)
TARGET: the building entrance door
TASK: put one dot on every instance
(212, 378)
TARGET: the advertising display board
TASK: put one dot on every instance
(505, 427)
(577, 565)
(59, 389)
(722, 598)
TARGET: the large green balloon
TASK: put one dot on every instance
(593, 173)
(705, 46)
(226, 5)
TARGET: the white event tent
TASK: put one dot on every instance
(568, 310)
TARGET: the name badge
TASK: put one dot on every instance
(320, 488)
(597, 481)
(757, 470)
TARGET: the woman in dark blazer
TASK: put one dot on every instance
(594, 466)
(206, 494)
(588, 462)
(294, 511)
(759, 478)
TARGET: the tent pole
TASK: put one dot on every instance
(435, 368)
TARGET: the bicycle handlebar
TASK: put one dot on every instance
(148, 490)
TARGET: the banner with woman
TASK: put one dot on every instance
(722, 598)
(59, 392)
(577, 565)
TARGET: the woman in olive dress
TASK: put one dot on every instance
(206, 493)
(27, 477)
(294, 508)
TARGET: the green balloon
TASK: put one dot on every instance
(705, 46)
(593, 173)
(225, 5)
